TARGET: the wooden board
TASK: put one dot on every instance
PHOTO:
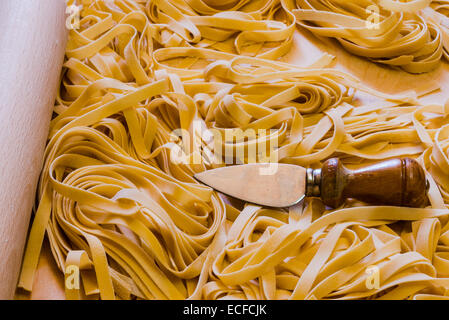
(49, 282)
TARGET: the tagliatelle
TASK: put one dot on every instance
(385, 31)
(146, 86)
(439, 13)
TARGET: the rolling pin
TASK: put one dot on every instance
(32, 44)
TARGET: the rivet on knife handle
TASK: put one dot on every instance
(396, 182)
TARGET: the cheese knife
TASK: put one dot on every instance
(395, 182)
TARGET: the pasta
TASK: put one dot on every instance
(438, 13)
(388, 32)
(115, 205)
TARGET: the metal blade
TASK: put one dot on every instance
(285, 187)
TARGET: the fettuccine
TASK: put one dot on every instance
(115, 205)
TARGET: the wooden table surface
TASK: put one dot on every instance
(49, 281)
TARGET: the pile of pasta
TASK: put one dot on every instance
(394, 33)
(114, 205)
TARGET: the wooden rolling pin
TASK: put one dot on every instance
(32, 44)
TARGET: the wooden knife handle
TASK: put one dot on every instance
(396, 182)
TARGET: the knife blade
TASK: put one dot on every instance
(395, 182)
